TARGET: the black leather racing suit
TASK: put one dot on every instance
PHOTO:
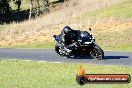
(70, 38)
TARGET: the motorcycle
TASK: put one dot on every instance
(84, 46)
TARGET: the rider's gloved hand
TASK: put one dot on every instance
(68, 50)
(72, 46)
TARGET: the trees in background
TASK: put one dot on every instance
(18, 3)
(38, 7)
(4, 7)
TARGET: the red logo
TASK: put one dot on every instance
(83, 78)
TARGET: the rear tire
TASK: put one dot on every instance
(97, 53)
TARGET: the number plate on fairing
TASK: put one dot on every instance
(87, 42)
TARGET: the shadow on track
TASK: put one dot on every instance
(105, 57)
(82, 57)
(115, 57)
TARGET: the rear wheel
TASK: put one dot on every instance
(97, 53)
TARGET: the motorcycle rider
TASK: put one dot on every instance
(68, 37)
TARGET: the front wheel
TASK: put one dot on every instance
(97, 53)
(61, 52)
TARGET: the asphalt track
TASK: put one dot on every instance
(111, 57)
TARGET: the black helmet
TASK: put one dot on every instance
(67, 29)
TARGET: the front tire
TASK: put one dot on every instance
(61, 52)
(58, 50)
(97, 53)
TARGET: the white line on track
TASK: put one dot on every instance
(35, 61)
(48, 61)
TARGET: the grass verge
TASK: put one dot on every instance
(122, 10)
(119, 47)
(31, 74)
(36, 45)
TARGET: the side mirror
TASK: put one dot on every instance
(90, 29)
(54, 36)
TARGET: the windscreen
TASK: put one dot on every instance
(85, 36)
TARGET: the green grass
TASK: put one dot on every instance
(31, 74)
(107, 41)
(120, 47)
(37, 45)
(123, 10)
(115, 40)
(25, 4)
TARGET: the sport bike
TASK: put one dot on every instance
(83, 46)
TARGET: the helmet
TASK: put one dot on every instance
(67, 29)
